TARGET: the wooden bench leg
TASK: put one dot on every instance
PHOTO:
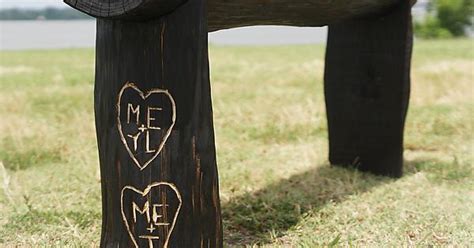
(367, 85)
(155, 132)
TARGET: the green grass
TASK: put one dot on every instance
(277, 188)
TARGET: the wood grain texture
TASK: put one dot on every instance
(229, 14)
(169, 53)
(223, 14)
(367, 86)
(125, 9)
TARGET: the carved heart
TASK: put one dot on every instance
(150, 215)
(145, 121)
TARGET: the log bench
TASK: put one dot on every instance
(154, 114)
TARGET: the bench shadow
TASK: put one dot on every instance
(255, 218)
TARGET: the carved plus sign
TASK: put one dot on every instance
(151, 228)
(142, 128)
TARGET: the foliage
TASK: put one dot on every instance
(446, 18)
(431, 28)
(47, 13)
(455, 15)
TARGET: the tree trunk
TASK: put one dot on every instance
(155, 132)
(367, 85)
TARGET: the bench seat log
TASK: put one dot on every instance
(223, 14)
(125, 9)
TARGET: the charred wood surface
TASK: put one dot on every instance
(224, 14)
(125, 9)
(229, 14)
(367, 86)
(155, 132)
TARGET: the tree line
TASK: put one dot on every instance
(42, 14)
(446, 19)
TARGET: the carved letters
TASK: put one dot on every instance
(150, 215)
(145, 121)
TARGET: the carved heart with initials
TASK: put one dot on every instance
(150, 215)
(145, 122)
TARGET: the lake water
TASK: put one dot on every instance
(18, 35)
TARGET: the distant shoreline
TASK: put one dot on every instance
(42, 14)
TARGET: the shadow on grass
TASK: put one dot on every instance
(257, 217)
(254, 218)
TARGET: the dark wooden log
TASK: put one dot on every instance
(155, 132)
(367, 85)
(125, 9)
(224, 14)
(229, 14)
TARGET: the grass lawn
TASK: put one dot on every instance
(277, 189)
